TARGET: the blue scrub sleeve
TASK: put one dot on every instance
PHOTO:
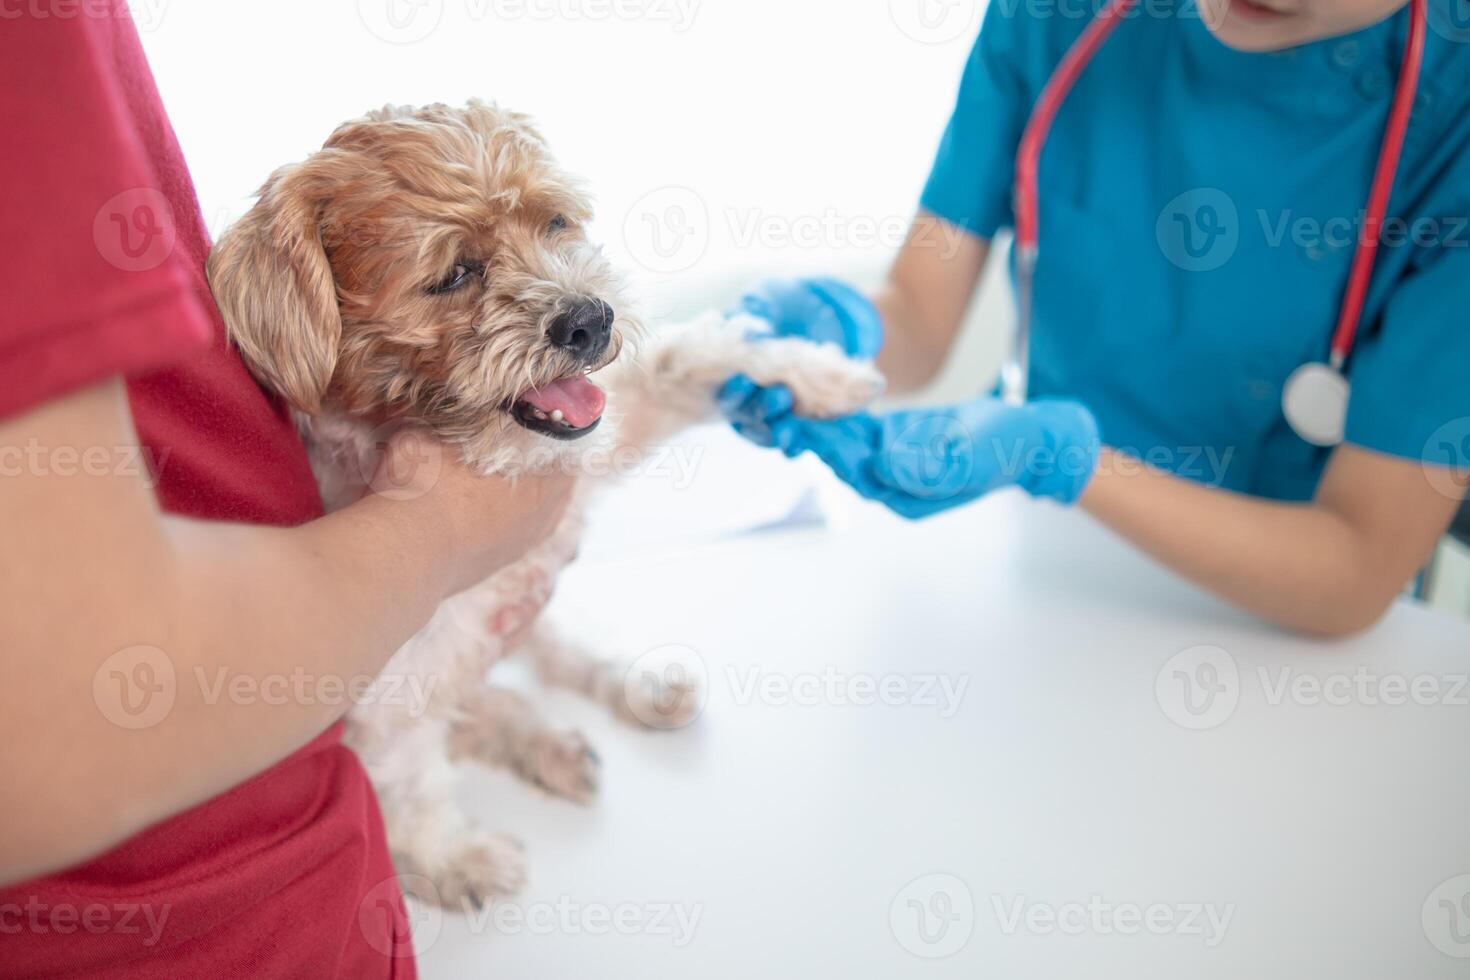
(969, 185)
(1411, 378)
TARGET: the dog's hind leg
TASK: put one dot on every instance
(441, 856)
(645, 698)
(497, 727)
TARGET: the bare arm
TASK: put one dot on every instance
(924, 298)
(1329, 567)
(92, 567)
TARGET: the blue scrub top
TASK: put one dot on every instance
(1198, 211)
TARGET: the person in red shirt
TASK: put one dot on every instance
(162, 530)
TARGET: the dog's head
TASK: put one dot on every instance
(429, 266)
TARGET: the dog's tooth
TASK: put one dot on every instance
(556, 415)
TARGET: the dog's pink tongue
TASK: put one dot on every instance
(579, 400)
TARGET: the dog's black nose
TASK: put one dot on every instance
(584, 329)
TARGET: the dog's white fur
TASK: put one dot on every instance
(375, 355)
(411, 757)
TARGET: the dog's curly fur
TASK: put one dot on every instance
(332, 287)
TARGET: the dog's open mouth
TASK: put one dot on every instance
(568, 408)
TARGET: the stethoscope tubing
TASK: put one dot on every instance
(1080, 54)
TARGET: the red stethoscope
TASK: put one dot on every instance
(1315, 397)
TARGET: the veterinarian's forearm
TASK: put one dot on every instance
(1306, 566)
(924, 298)
(908, 360)
(239, 643)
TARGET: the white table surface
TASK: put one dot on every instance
(801, 836)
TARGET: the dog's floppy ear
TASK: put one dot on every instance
(273, 284)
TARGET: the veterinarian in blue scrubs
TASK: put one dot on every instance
(1201, 197)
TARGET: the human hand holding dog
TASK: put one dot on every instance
(481, 523)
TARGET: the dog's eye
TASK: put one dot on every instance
(462, 273)
(559, 223)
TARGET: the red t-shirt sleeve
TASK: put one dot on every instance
(91, 284)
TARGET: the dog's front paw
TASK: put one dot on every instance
(824, 382)
(564, 764)
(477, 868)
(841, 389)
(668, 698)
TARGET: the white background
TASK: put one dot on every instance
(797, 135)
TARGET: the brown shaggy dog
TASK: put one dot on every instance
(431, 267)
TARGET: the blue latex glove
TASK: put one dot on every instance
(821, 310)
(754, 411)
(923, 461)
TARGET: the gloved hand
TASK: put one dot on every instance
(821, 310)
(923, 461)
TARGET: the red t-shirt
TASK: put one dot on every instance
(288, 874)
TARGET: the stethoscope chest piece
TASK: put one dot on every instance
(1315, 403)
